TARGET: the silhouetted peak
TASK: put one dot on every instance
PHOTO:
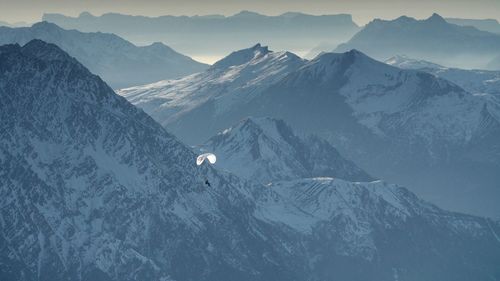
(435, 18)
(85, 15)
(242, 56)
(45, 25)
(247, 14)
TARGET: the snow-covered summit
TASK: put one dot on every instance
(266, 150)
(406, 62)
(242, 56)
(234, 80)
(374, 91)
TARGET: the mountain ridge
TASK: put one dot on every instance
(474, 81)
(200, 36)
(431, 39)
(359, 105)
(118, 61)
(93, 189)
(268, 150)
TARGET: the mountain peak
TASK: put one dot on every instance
(247, 14)
(292, 14)
(355, 53)
(256, 46)
(45, 25)
(159, 46)
(51, 65)
(405, 62)
(436, 18)
(287, 156)
(253, 126)
(265, 125)
(346, 58)
(404, 19)
(242, 56)
(327, 67)
(45, 51)
(85, 15)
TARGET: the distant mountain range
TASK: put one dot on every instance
(119, 62)
(217, 35)
(406, 126)
(490, 25)
(268, 150)
(93, 189)
(474, 81)
(431, 39)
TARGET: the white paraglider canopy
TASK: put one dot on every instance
(206, 156)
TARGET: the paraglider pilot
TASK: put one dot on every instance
(210, 157)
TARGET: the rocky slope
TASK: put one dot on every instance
(267, 150)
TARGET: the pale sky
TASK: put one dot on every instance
(362, 10)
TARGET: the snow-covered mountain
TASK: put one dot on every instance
(474, 81)
(406, 126)
(431, 39)
(119, 62)
(93, 189)
(267, 150)
(328, 206)
(406, 62)
(229, 83)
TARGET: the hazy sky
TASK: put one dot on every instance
(362, 10)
